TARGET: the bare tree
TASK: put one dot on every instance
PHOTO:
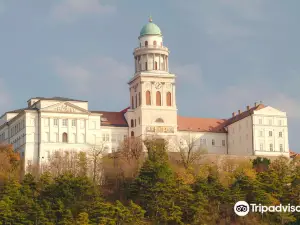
(190, 152)
(131, 149)
(95, 155)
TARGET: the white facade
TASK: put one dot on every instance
(57, 124)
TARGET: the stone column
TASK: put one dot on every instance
(159, 62)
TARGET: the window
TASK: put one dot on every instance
(158, 98)
(223, 143)
(82, 125)
(65, 137)
(146, 43)
(65, 122)
(260, 121)
(280, 134)
(159, 120)
(132, 134)
(154, 43)
(93, 124)
(74, 138)
(106, 137)
(103, 137)
(113, 138)
(132, 102)
(132, 123)
(213, 142)
(270, 122)
(260, 133)
(202, 141)
(148, 98)
(169, 99)
(261, 146)
(55, 122)
(281, 147)
(135, 122)
(125, 137)
(140, 98)
(56, 137)
(271, 148)
(73, 123)
(146, 66)
(155, 65)
(279, 123)
(136, 102)
(270, 133)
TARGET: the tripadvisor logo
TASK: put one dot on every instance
(241, 208)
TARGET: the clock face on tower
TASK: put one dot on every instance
(157, 85)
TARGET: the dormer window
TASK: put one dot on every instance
(146, 43)
(154, 43)
(159, 120)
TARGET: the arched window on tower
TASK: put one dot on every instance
(132, 134)
(148, 98)
(140, 99)
(169, 99)
(136, 102)
(132, 123)
(65, 137)
(132, 103)
(146, 66)
(154, 43)
(158, 98)
(146, 43)
(155, 65)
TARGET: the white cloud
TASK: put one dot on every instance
(190, 74)
(71, 10)
(5, 97)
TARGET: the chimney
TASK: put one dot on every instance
(239, 111)
(255, 104)
(248, 107)
(233, 114)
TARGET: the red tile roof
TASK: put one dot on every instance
(294, 154)
(113, 119)
(243, 114)
(200, 124)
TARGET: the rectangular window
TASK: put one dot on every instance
(261, 133)
(270, 122)
(73, 123)
(106, 137)
(47, 137)
(202, 141)
(113, 138)
(280, 134)
(103, 137)
(125, 137)
(270, 133)
(55, 122)
(281, 147)
(223, 143)
(279, 123)
(271, 148)
(65, 122)
(213, 142)
(260, 121)
(261, 146)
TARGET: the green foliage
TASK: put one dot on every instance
(158, 195)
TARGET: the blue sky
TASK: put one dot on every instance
(226, 54)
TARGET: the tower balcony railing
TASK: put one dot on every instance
(152, 47)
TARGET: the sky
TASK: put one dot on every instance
(226, 54)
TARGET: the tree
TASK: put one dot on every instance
(95, 155)
(190, 152)
(83, 219)
(261, 164)
(10, 166)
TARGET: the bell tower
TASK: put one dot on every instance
(153, 109)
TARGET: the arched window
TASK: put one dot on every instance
(146, 66)
(132, 102)
(158, 98)
(159, 120)
(140, 98)
(154, 43)
(132, 134)
(155, 65)
(136, 102)
(146, 43)
(65, 137)
(148, 98)
(132, 124)
(169, 99)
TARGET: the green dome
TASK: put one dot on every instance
(150, 29)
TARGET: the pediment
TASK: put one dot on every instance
(270, 111)
(64, 107)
